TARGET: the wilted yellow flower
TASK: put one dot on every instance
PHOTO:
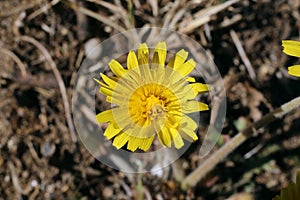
(151, 99)
(292, 192)
(292, 48)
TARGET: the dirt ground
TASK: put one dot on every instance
(42, 46)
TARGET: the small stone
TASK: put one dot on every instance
(48, 149)
(107, 192)
(34, 183)
(92, 48)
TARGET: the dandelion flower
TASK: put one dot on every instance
(292, 48)
(150, 99)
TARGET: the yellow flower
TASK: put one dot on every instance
(292, 192)
(151, 99)
(292, 48)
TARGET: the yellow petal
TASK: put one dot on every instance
(188, 134)
(145, 145)
(187, 67)
(177, 61)
(109, 99)
(193, 106)
(174, 119)
(178, 142)
(190, 79)
(102, 84)
(111, 83)
(111, 131)
(157, 126)
(143, 54)
(120, 100)
(187, 128)
(177, 139)
(122, 117)
(158, 74)
(178, 85)
(291, 47)
(294, 70)
(105, 116)
(132, 61)
(188, 122)
(133, 143)
(117, 68)
(185, 93)
(120, 140)
(160, 54)
(142, 143)
(142, 132)
(98, 81)
(200, 88)
(146, 74)
(106, 91)
(164, 137)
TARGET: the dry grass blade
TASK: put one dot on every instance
(15, 179)
(88, 113)
(179, 15)
(95, 15)
(43, 9)
(121, 164)
(137, 4)
(20, 64)
(60, 81)
(253, 151)
(203, 16)
(126, 188)
(116, 10)
(242, 54)
(111, 7)
(230, 21)
(154, 5)
(170, 14)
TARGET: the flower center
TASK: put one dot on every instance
(149, 103)
(155, 108)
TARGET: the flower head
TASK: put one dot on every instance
(150, 99)
(292, 48)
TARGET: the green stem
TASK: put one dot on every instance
(130, 13)
(201, 171)
(139, 187)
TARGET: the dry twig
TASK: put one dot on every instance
(243, 55)
(200, 172)
(20, 64)
(95, 15)
(203, 16)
